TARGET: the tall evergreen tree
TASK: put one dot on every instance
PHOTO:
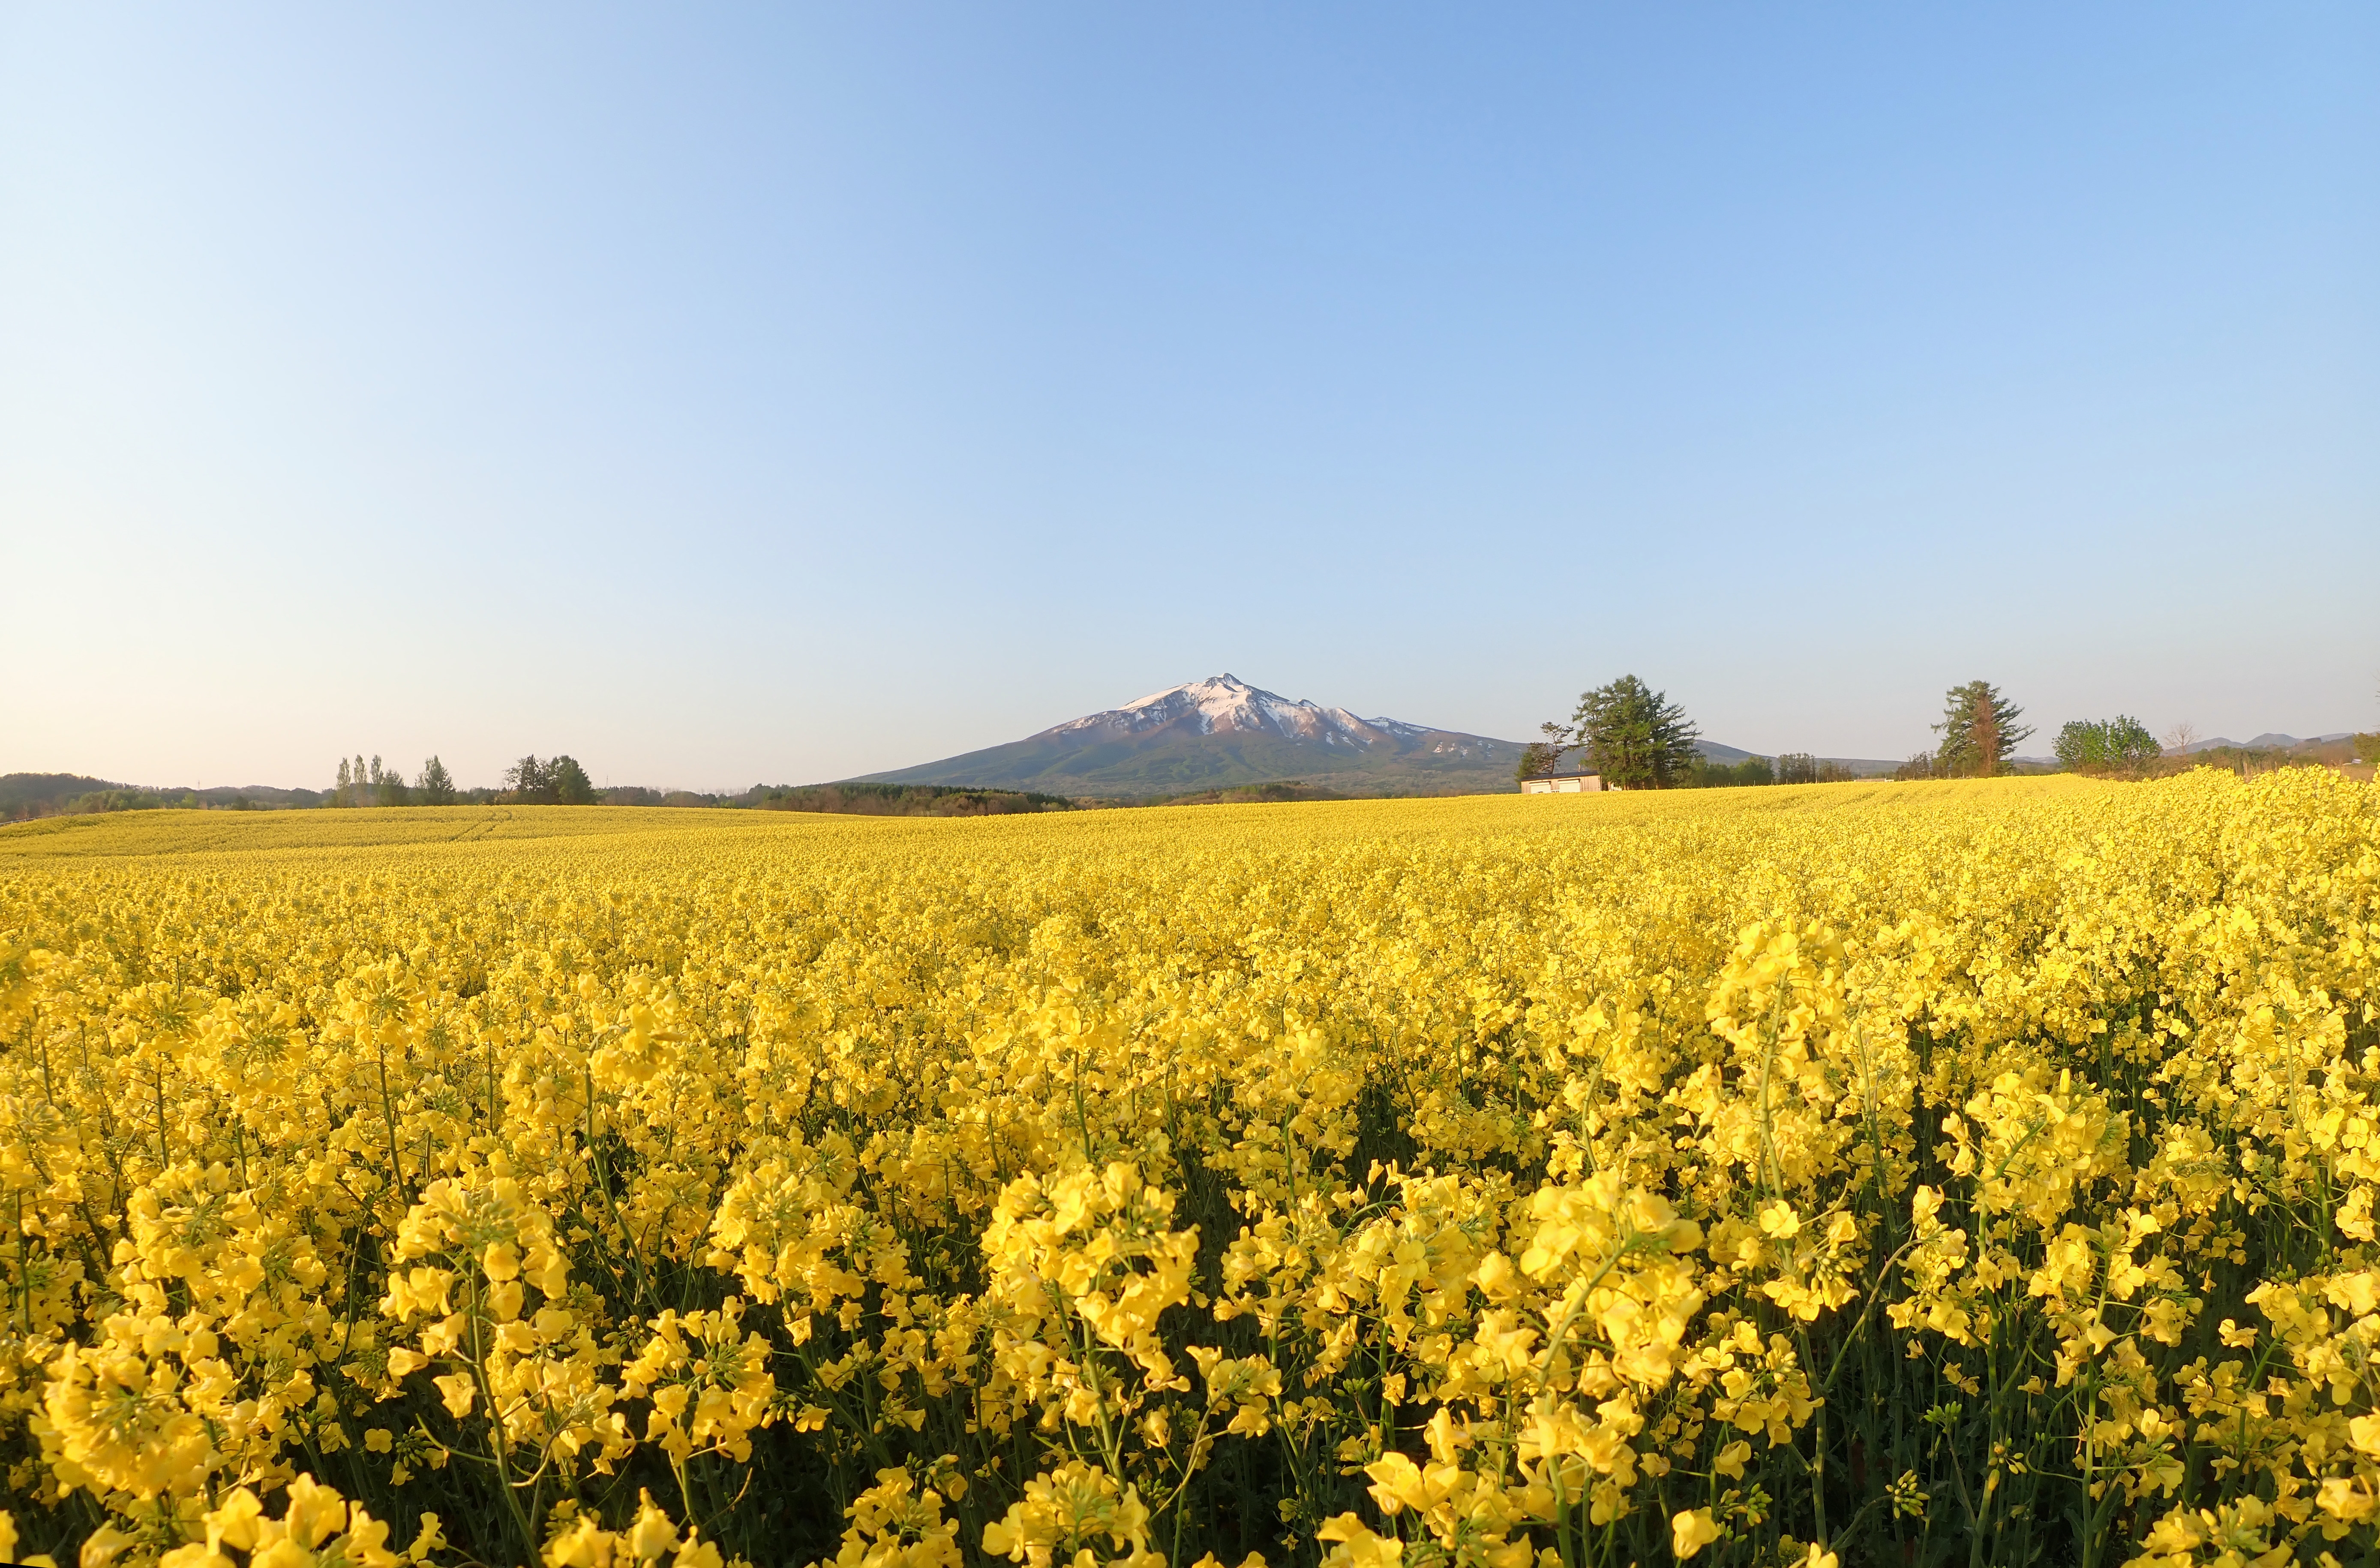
(436, 786)
(567, 782)
(1979, 732)
(1636, 737)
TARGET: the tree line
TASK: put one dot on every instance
(1785, 768)
(554, 781)
(907, 800)
(362, 784)
(564, 780)
(1636, 738)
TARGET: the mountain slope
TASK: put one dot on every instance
(1220, 731)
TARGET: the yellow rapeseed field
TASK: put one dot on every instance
(1848, 1175)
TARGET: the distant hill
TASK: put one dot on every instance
(20, 790)
(1220, 733)
(25, 796)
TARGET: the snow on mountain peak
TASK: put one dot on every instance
(1225, 703)
(1216, 693)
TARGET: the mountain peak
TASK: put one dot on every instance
(1226, 704)
(1223, 687)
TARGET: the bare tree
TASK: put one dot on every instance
(2180, 738)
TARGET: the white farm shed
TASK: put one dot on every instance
(1564, 783)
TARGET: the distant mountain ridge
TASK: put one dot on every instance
(2269, 741)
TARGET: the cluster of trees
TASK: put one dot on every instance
(556, 781)
(1787, 768)
(1708, 774)
(1631, 735)
(100, 800)
(850, 798)
(1636, 738)
(638, 795)
(1801, 767)
(1277, 792)
(907, 800)
(369, 784)
(2122, 742)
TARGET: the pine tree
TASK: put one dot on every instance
(1979, 732)
(435, 786)
(567, 782)
(1636, 737)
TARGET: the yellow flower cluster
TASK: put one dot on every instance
(1848, 1175)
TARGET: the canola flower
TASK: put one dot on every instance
(1848, 1175)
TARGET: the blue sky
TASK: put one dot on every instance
(785, 392)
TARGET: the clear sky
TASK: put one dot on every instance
(783, 392)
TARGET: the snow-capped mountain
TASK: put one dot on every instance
(1227, 705)
(1220, 732)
